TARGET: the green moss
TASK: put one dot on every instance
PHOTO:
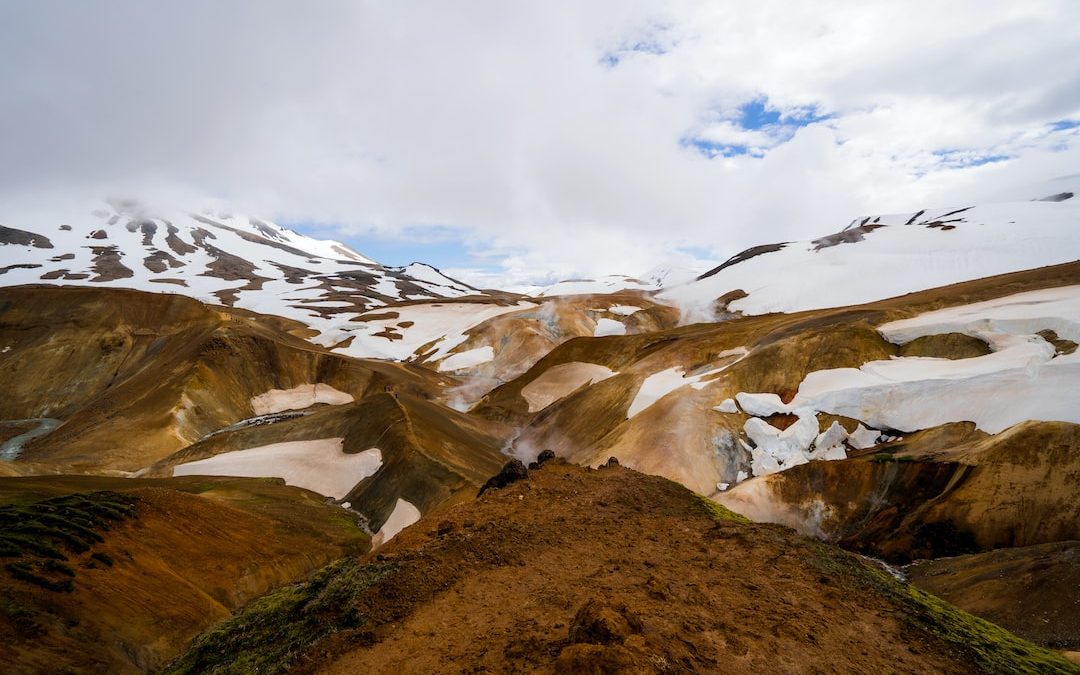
(269, 634)
(719, 512)
(989, 647)
(39, 533)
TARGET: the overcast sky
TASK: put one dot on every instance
(539, 140)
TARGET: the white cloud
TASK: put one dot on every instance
(553, 132)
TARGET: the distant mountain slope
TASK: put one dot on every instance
(880, 257)
(219, 258)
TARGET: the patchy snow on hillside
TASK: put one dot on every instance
(438, 326)
(319, 465)
(609, 327)
(403, 515)
(887, 256)
(217, 258)
(298, 398)
(1024, 378)
(608, 284)
(560, 381)
(467, 359)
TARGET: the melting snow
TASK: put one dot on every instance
(298, 398)
(727, 406)
(623, 310)
(403, 515)
(561, 380)
(467, 359)
(660, 384)
(609, 327)
(1023, 379)
(318, 465)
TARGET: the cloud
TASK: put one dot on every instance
(560, 138)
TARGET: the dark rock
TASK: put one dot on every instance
(598, 623)
(541, 459)
(612, 461)
(511, 472)
(445, 528)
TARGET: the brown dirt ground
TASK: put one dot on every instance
(1033, 591)
(495, 585)
(184, 564)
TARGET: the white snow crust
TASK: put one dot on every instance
(467, 359)
(1024, 378)
(318, 465)
(403, 515)
(298, 398)
(895, 259)
(609, 327)
(561, 380)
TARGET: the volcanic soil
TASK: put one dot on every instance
(606, 571)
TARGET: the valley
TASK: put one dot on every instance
(291, 438)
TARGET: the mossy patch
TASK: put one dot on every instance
(40, 535)
(946, 346)
(719, 512)
(989, 647)
(268, 635)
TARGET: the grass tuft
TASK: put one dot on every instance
(268, 635)
(39, 535)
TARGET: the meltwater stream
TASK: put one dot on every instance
(11, 448)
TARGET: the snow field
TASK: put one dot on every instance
(298, 398)
(319, 465)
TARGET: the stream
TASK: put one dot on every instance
(11, 448)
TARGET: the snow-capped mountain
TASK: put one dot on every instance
(883, 256)
(219, 258)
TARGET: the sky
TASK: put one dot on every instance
(513, 143)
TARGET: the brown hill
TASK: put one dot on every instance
(1026, 589)
(116, 575)
(605, 571)
(136, 376)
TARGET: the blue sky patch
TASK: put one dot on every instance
(436, 245)
(779, 126)
(652, 41)
(968, 158)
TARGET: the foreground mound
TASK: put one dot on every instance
(577, 570)
(116, 575)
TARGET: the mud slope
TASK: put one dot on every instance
(136, 376)
(577, 570)
(116, 575)
(1031, 590)
(429, 454)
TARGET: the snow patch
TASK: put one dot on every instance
(319, 465)
(467, 359)
(403, 515)
(1022, 379)
(660, 384)
(562, 380)
(727, 406)
(298, 398)
(609, 327)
